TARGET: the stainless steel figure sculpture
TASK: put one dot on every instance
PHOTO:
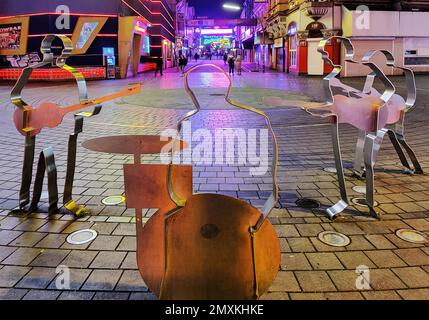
(30, 121)
(203, 246)
(366, 110)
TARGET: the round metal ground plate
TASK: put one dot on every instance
(412, 236)
(113, 200)
(334, 239)
(82, 236)
(306, 203)
(361, 189)
(361, 202)
(330, 170)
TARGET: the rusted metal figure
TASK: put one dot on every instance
(203, 246)
(367, 110)
(30, 121)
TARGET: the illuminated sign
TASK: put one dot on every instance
(216, 31)
(217, 41)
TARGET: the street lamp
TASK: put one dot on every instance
(231, 7)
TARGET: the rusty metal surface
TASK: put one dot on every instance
(50, 115)
(132, 144)
(210, 254)
(146, 187)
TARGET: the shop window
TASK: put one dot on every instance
(293, 44)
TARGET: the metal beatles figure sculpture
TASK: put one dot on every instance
(30, 121)
(203, 246)
(369, 113)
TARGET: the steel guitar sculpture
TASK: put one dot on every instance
(30, 121)
(367, 110)
(203, 246)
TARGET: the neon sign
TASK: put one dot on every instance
(216, 31)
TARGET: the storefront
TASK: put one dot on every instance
(279, 56)
(128, 31)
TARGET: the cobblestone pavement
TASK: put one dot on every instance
(32, 246)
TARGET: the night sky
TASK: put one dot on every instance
(213, 8)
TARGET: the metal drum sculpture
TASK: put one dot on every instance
(367, 110)
(30, 121)
(203, 246)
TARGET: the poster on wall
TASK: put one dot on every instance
(13, 36)
(10, 36)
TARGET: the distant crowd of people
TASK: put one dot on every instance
(234, 62)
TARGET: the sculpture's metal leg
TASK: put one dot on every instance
(372, 147)
(343, 203)
(46, 163)
(357, 168)
(417, 168)
(399, 151)
(27, 172)
(68, 201)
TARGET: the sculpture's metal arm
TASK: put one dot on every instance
(409, 76)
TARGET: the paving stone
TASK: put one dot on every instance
(385, 259)
(359, 243)
(353, 259)
(345, 280)
(314, 281)
(131, 280)
(10, 275)
(30, 225)
(295, 261)
(41, 295)
(142, 296)
(324, 261)
(5, 252)
(416, 294)
(125, 229)
(286, 231)
(7, 236)
(108, 260)
(384, 279)
(300, 245)
(307, 296)
(347, 228)
(275, 296)
(8, 223)
(380, 241)
(52, 241)
(127, 244)
(130, 261)
(320, 246)
(102, 280)
(76, 295)
(413, 257)
(28, 239)
(309, 230)
(12, 294)
(413, 277)
(78, 225)
(111, 296)
(418, 224)
(79, 259)
(50, 258)
(105, 242)
(37, 278)
(54, 226)
(77, 278)
(22, 257)
(104, 227)
(381, 295)
(285, 282)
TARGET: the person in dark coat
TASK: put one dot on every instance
(159, 64)
(231, 63)
(225, 58)
(182, 63)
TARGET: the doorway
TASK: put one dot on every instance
(315, 61)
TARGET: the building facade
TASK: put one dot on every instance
(131, 31)
(288, 33)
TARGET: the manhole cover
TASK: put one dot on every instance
(113, 200)
(412, 236)
(330, 170)
(334, 239)
(82, 236)
(307, 203)
(361, 202)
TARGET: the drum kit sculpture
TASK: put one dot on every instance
(210, 246)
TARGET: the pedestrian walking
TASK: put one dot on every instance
(182, 63)
(196, 56)
(225, 58)
(238, 63)
(231, 63)
(159, 64)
